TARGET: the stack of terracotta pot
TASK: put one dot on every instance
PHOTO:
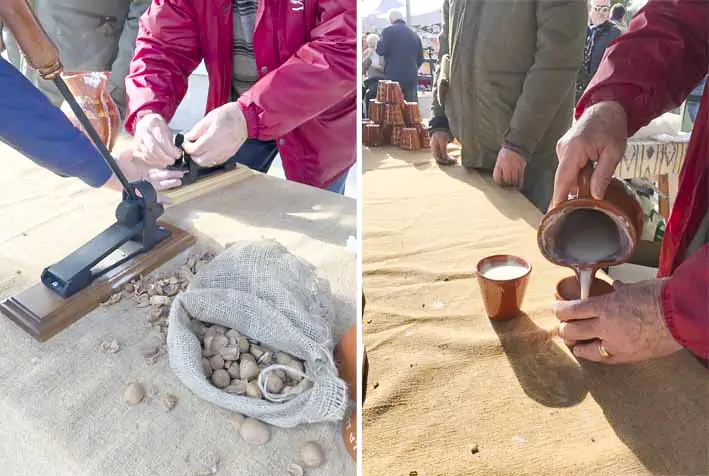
(393, 121)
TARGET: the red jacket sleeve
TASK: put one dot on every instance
(654, 66)
(321, 74)
(158, 76)
(685, 303)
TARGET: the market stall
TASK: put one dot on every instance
(452, 393)
(64, 402)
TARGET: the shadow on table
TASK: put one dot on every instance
(504, 200)
(373, 158)
(274, 204)
(659, 409)
(545, 371)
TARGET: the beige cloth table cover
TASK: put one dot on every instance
(452, 393)
(61, 402)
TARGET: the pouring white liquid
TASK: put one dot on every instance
(587, 238)
(505, 272)
(585, 277)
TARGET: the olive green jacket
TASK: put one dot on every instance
(506, 75)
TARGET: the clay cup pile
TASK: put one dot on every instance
(392, 121)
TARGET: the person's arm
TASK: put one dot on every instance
(383, 43)
(653, 66)
(321, 74)
(166, 53)
(439, 121)
(32, 125)
(560, 40)
(685, 303)
(419, 57)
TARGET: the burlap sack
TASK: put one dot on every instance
(269, 295)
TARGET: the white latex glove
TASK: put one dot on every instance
(160, 179)
(217, 137)
(153, 141)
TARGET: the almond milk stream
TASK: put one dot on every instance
(586, 238)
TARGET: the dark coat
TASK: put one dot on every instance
(402, 51)
(607, 32)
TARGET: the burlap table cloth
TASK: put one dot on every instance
(450, 393)
(62, 401)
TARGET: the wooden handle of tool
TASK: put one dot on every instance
(39, 50)
(585, 181)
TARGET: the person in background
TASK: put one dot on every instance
(600, 32)
(373, 67)
(91, 35)
(617, 16)
(32, 125)
(402, 51)
(282, 79)
(648, 71)
(507, 106)
(694, 99)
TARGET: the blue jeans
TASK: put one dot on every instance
(258, 155)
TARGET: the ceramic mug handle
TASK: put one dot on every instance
(585, 181)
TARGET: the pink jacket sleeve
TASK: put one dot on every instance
(166, 26)
(321, 74)
(654, 66)
(685, 303)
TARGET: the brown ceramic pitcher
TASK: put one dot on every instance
(567, 233)
(91, 92)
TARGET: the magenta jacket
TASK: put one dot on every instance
(306, 53)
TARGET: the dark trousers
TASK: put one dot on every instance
(410, 90)
(258, 155)
(371, 86)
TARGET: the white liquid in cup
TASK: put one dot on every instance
(504, 271)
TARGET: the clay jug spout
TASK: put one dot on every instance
(583, 232)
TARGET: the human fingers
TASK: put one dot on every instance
(162, 185)
(592, 351)
(158, 175)
(572, 158)
(202, 144)
(152, 151)
(497, 174)
(583, 329)
(580, 309)
(603, 173)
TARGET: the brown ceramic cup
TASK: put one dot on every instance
(502, 295)
(569, 289)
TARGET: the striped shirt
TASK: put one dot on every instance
(244, 74)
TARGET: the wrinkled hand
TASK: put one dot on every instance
(601, 135)
(628, 321)
(509, 169)
(153, 141)
(439, 148)
(217, 137)
(134, 172)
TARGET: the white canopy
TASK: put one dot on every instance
(423, 12)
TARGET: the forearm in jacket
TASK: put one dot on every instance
(31, 124)
(653, 66)
(560, 40)
(321, 74)
(160, 65)
(685, 303)
(439, 121)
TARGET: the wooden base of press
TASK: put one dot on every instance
(207, 185)
(42, 314)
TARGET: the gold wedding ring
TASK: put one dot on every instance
(602, 350)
